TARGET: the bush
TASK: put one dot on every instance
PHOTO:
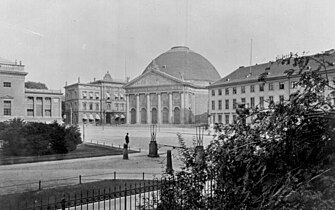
(25, 139)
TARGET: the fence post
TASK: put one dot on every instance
(143, 176)
(39, 185)
(169, 168)
(79, 179)
(125, 196)
(114, 175)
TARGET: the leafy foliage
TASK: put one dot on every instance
(23, 139)
(284, 159)
(35, 85)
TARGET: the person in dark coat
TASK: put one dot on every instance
(127, 139)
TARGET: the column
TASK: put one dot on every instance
(148, 109)
(138, 109)
(193, 108)
(127, 109)
(34, 105)
(182, 108)
(159, 110)
(170, 109)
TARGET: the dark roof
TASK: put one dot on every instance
(182, 62)
(272, 69)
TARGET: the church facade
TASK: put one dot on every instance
(171, 90)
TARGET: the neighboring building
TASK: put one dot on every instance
(243, 86)
(101, 101)
(28, 104)
(171, 90)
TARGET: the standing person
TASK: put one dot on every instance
(127, 139)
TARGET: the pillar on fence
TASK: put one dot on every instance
(39, 185)
(125, 152)
(169, 168)
(199, 154)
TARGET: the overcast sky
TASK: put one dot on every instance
(61, 40)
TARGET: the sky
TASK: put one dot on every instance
(61, 40)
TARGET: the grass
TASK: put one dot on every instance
(82, 151)
(85, 193)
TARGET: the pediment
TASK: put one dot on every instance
(153, 79)
(7, 97)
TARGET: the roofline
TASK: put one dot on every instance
(254, 80)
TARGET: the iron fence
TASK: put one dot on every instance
(165, 193)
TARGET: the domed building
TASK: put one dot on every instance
(171, 90)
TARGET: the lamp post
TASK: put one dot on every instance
(199, 148)
(153, 148)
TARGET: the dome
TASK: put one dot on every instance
(181, 62)
(108, 77)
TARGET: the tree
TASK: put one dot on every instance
(35, 85)
(284, 159)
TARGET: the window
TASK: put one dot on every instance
(96, 106)
(294, 84)
(220, 92)
(39, 106)
(243, 100)
(47, 107)
(84, 106)
(234, 103)
(7, 108)
(252, 88)
(252, 102)
(96, 95)
(220, 118)
(281, 98)
(242, 89)
(281, 86)
(91, 106)
(227, 103)
(7, 84)
(261, 87)
(227, 91)
(227, 118)
(271, 86)
(213, 92)
(109, 107)
(234, 90)
(30, 106)
(213, 105)
(213, 118)
(220, 104)
(271, 99)
(261, 102)
(116, 106)
(91, 95)
(84, 94)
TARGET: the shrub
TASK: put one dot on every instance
(22, 139)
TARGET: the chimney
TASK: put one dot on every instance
(78, 79)
(20, 63)
(15, 61)
(65, 83)
(94, 79)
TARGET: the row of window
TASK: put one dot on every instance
(261, 88)
(89, 106)
(227, 118)
(243, 101)
(7, 84)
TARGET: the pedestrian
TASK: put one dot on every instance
(127, 139)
